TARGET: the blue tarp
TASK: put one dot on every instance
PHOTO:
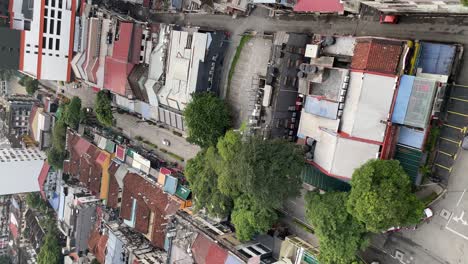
(170, 185)
(402, 100)
(411, 137)
(54, 202)
(177, 4)
(436, 58)
(321, 108)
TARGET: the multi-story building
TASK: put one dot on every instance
(15, 112)
(46, 37)
(409, 6)
(20, 169)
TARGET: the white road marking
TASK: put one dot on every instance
(459, 200)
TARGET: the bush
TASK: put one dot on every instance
(103, 108)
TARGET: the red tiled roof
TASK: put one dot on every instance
(112, 199)
(206, 251)
(97, 244)
(43, 177)
(150, 198)
(82, 146)
(115, 75)
(120, 152)
(118, 66)
(377, 55)
(101, 157)
(322, 6)
(14, 230)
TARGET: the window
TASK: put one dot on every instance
(51, 31)
(60, 3)
(59, 14)
(59, 27)
(52, 13)
(35, 52)
(53, 3)
(46, 2)
(28, 51)
(44, 40)
(57, 44)
(46, 12)
(51, 43)
(142, 48)
(45, 26)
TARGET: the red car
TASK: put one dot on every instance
(388, 19)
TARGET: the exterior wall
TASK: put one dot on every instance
(49, 44)
(20, 170)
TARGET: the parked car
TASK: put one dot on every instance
(388, 19)
(465, 143)
(166, 142)
(427, 214)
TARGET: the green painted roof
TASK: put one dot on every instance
(182, 192)
(313, 176)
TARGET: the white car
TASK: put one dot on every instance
(166, 142)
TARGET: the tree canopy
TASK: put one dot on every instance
(103, 108)
(31, 84)
(56, 153)
(257, 175)
(381, 196)
(50, 252)
(204, 183)
(5, 259)
(207, 118)
(251, 218)
(72, 113)
(340, 234)
(261, 168)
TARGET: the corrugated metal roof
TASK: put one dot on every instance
(313, 176)
(206, 251)
(110, 146)
(233, 260)
(323, 108)
(170, 185)
(120, 152)
(182, 192)
(120, 174)
(436, 58)
(402, 100)
(420, 102)
(43, 177)
(409, 159)
(411, 137)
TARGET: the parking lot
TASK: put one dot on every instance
(452, 131)
(252, 63)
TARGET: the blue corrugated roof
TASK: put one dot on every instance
(232, 260)
(402, 100)
(321, 108)
(411, 137)
(170, 185)
(436, 58)
(177, 4)
(54, 202)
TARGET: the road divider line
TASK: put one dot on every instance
(457, 113)
(445, 153)
(451, 140)
(443, 167)
(460, 85)
(459, 99)
(454, 127)
(459, 200)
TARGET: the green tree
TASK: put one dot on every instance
(250, 218)
(262, 168)
(33, 200)
(203, 181)
(95, 261)
(49, 253)
(381, 196)
(207, 119)
(464, 2)
(6, 74)
(72, 113)
(31, 84)
(59, 135)
(103, 108)
(55, 157)
(339, 233)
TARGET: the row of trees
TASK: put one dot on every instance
(70, 117)
(380, 198)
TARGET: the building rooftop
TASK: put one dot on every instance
(143, 201)
(320, 6)
(377, 55)
(43, 177)
(206, 250)
(367, 106)
(186, 52)
(436, 58)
